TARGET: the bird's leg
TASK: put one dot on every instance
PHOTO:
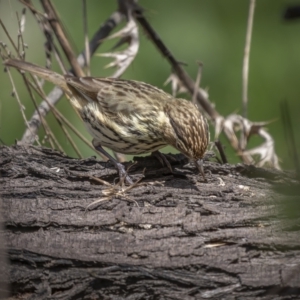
(119, 166)
(162, 159)
(199, 165)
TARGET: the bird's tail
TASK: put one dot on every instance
(44, 73)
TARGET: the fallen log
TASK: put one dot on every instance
(173, 236)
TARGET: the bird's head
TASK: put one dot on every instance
(187, 130)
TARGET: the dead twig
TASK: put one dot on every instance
(86, 37)
(57, 28)
(289, 135)
(54, 96)
(246, 57)
(221, 151)
(198, 80)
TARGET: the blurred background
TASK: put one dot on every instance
(212, 32)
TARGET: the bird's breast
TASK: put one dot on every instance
(128, 134)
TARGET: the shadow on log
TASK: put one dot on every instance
(181, 238)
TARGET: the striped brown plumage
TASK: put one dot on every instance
(130, 117)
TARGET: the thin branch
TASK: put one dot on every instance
(246, 57)
(221, 151)
(43, 110)
(49, 134)
(289, 134)
(9, 37)
(76, 149)
(21, 24)
(197, 83)
(177, 67)
(50, 46)
(56, 26)
(28, 4)
(56, 93)
(86, 37)
(47, 129)
(15, 94)
(123, 59)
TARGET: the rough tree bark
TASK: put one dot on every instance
(181, 238)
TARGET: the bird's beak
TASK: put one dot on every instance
(199, 165)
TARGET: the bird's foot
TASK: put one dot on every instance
(123, 174)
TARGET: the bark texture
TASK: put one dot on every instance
(174, 237)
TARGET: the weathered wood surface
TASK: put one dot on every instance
(227, 238)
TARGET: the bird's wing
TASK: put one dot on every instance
(118, 96)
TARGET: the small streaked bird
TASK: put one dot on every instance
(130, 117)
